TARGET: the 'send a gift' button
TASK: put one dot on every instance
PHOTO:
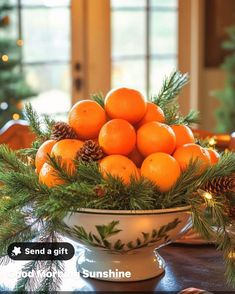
(40, 251)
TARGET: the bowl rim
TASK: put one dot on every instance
(132, 212)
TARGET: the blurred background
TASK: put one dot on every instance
(55, 52)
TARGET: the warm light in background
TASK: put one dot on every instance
(5, 58)
(231, 255)
(16, 116)
(20, 43)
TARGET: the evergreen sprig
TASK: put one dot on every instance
(171, 88)
(215, 227)
(167, 100)
(99, 98)
(42, 284)
(40, 127)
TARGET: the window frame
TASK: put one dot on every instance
(148, 56)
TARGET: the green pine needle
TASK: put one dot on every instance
(99, 98)
(40, 127)
(171, 88)
(32, 117)
(167, 100)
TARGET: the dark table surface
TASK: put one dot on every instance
(199, 266)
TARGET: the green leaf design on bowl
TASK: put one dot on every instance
(104, 232)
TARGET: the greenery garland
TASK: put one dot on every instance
(26, 204)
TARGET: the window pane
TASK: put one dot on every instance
(165, 3)
(47, 77)
(160, 69)
(12, 2)
(46, 34)
(129, 74)
(52, 82)
(46, 2)
(128, 33)
(128, 3)
(163, 32)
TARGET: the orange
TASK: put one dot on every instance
(125, 103)
(214, 155)
(153, 113)
(119, 166)
(117, 136)
(67, 150)
(183, 135)
(162, 169)
(86, 118)
(191, 152)
(136, 157)
(155, 137)
(41, 155)
(49, 176)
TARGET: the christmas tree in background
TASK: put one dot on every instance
(13, 88)
(226, 113)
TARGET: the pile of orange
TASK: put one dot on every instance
(134, 137)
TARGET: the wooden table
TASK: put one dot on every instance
(198, 266)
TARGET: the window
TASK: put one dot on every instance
(144, 42)
(44, 27)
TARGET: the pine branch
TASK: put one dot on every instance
(174, 117)
(191, 118)
(16, 184)
(49, 123)
(143, 194)
(9, 160)
(29, 152)
(64, 171)
(24, 283)
(51, 284)
(184, 187)
(35, 123)
(171, 88)
(56, 267)
(205, 143)
(89, 172)
(5, 260)
(15, 230)
(218, 217)
(167, 100)
(200, 223)
(99, 98)
(41, 128)
(224, 167)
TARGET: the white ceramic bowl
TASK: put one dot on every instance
(119, 245)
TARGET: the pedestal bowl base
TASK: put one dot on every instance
(135, 266)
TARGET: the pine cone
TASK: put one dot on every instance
(220, 185)
(90, 151)
(62, 130)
